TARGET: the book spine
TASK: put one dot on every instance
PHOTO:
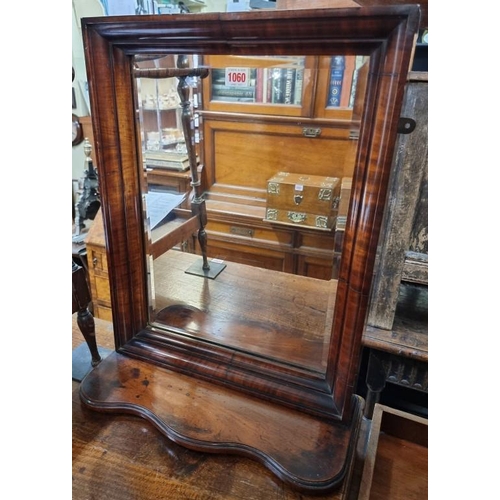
(359, 62)
(171, 165)
(218, 76)
(289, 86)
(278, 86)
(265, 81)
(259, 85)
(299, 76)
(350, 63)
(269, 93)
(218, 80)
(233, 99)
(224, 91)
(336, 76)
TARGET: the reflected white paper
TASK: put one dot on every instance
(160, 204)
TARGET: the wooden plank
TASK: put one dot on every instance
(173, 233)
(409, 172)
(416, 268)
(408, 336)
(396, 463)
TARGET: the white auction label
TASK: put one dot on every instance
(237, 77)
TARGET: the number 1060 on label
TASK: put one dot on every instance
(237, 76)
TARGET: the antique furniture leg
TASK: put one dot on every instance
(85, 320)
(400, 370)
(375, 381)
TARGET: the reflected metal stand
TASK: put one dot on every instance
(198, 208)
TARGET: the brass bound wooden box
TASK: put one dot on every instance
(303, 200)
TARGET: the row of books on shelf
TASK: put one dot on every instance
(284, 85)
(343, 80)
(266, 85)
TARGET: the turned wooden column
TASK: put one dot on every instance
(198, 206)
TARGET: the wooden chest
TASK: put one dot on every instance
(303, 200)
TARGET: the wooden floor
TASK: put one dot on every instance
(124, 457)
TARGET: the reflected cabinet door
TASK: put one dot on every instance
(244, 162)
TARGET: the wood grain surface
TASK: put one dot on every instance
(288, 320)
(124, 457)
(396, 461)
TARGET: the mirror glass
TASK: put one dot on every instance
(259, 153)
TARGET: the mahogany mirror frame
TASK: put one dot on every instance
(387, 35)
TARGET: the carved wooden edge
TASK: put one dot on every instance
(416, 268)
(412, 345)
(283, 386)
(418, 76)
(406, 372)
(316, 460)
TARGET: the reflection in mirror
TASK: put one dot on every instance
(247, 170)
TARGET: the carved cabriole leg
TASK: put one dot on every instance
(86, 323)
(85, 319)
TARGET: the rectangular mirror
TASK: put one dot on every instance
(276, 210)
(243, 163)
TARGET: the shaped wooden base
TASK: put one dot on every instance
(312, 454)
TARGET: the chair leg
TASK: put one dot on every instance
(86, 323)
(85, 319)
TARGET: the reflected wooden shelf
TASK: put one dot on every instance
(177, 230)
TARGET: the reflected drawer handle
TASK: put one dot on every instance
(95, 261)
(241, 231)
(311, 132)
